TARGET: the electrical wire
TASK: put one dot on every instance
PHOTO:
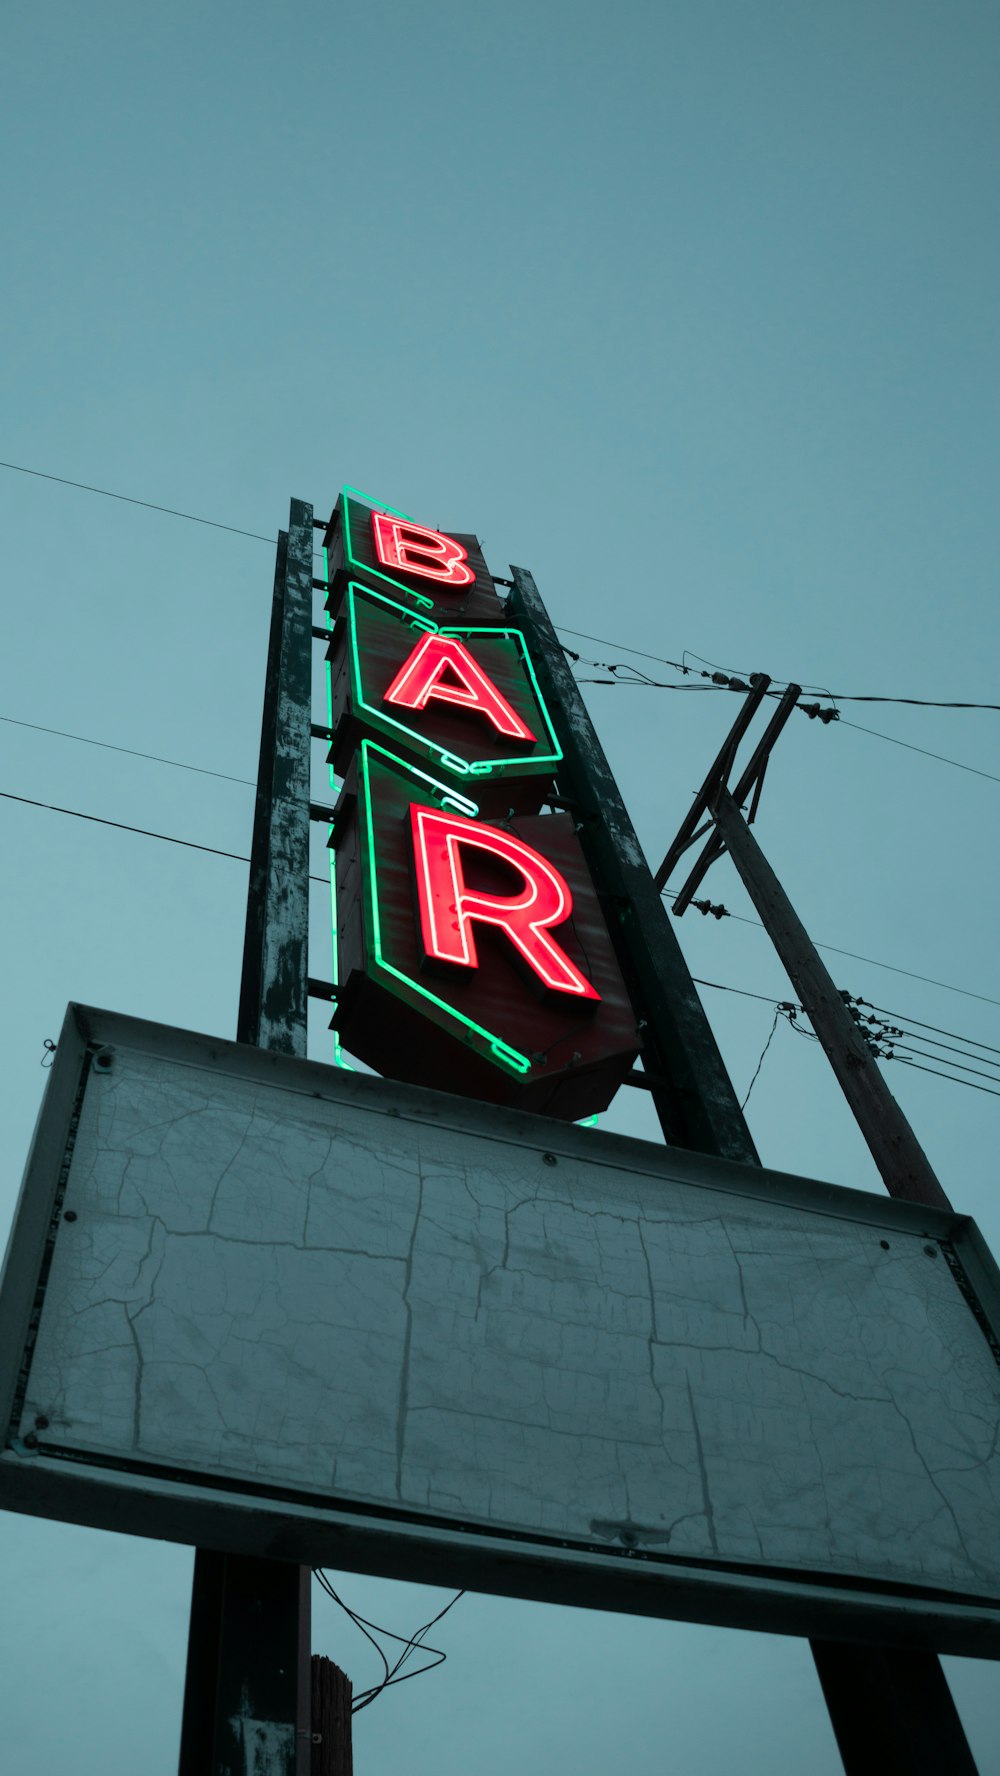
(170, 511)
(938, 1031)
(958, 764)
(972, 1086)
(855, 956)
(143, 831)
(760, 1063)
(901, 1050)
(410, 1644)
(240, 857)
(640, 653)
(784, 1007)
(622, 647)
(122, 826)
(131, 751)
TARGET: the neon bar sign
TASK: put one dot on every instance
(472, 952)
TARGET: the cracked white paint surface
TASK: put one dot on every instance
(305, 1294)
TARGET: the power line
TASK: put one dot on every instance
(724, 678)
(891, 738)
(238, 857)
(640, 653)
(122, 826)
(854, 956)
(970, 1083)
(760, 1063)
(901, 1050)
(143, 831)
(780, 1006)
(131, 751)
(171, 511)
(409, 1644)
(938, 1031)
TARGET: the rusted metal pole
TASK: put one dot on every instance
(694, 1096)
(247, 1689)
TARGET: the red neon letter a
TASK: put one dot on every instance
(420, 678)
(449, 909)
(413, 549)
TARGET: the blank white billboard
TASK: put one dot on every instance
(272, 1305)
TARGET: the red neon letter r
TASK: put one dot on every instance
(449, 909)
(413, 549)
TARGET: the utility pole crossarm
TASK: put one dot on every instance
(751, 780)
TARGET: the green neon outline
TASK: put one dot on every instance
(329, 669)
(338, 1048)
(393, 511)
(500, 1051)
(362, 566)
(541, 764)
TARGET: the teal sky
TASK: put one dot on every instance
(689, 309)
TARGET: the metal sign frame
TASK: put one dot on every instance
(247, 1518)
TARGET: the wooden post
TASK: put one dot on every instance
(902, 1162)
(890, 1707)
(332, 1751)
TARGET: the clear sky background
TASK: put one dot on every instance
(692, 310)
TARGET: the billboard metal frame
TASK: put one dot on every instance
(281, 1524)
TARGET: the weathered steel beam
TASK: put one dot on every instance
(273, 998)
(694, 1098)
(246, 1697)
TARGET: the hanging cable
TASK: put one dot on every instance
(131, 751)
(144, 831)
(853, 955)
(760, 1063)
(170, 511)
(391, 1674)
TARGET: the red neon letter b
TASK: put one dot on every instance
(413, 549)
(449, 909)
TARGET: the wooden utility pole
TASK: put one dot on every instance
(332, 1699)
(902, 1162)
(890, 1707)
